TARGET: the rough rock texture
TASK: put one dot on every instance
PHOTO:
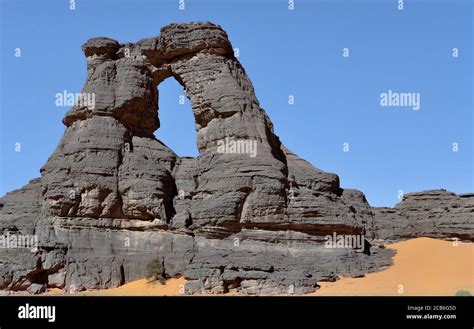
(113, 199)
(436, 213)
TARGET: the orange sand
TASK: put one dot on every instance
(142, 287)
(423, 266)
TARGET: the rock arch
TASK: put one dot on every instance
(112, 197)
(229, 189)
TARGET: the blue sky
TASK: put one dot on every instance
(297, 52)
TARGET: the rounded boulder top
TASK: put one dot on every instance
(100, 46)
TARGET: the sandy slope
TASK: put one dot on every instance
(142, 287)
(423, 266)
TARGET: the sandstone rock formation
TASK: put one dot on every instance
(435, 213)
(112, 198)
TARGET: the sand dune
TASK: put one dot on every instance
(422, 266)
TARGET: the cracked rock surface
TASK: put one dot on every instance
(112, 198)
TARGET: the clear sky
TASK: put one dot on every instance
(285, 52)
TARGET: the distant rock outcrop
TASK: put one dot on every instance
(247, 214)
(436, 214)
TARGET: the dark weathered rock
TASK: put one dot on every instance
(247, 214)
(36, 288)
(435, 213)
(101, 47)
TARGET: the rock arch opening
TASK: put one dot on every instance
(177, 126)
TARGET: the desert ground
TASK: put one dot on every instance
(143, 287)
(422, 266)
